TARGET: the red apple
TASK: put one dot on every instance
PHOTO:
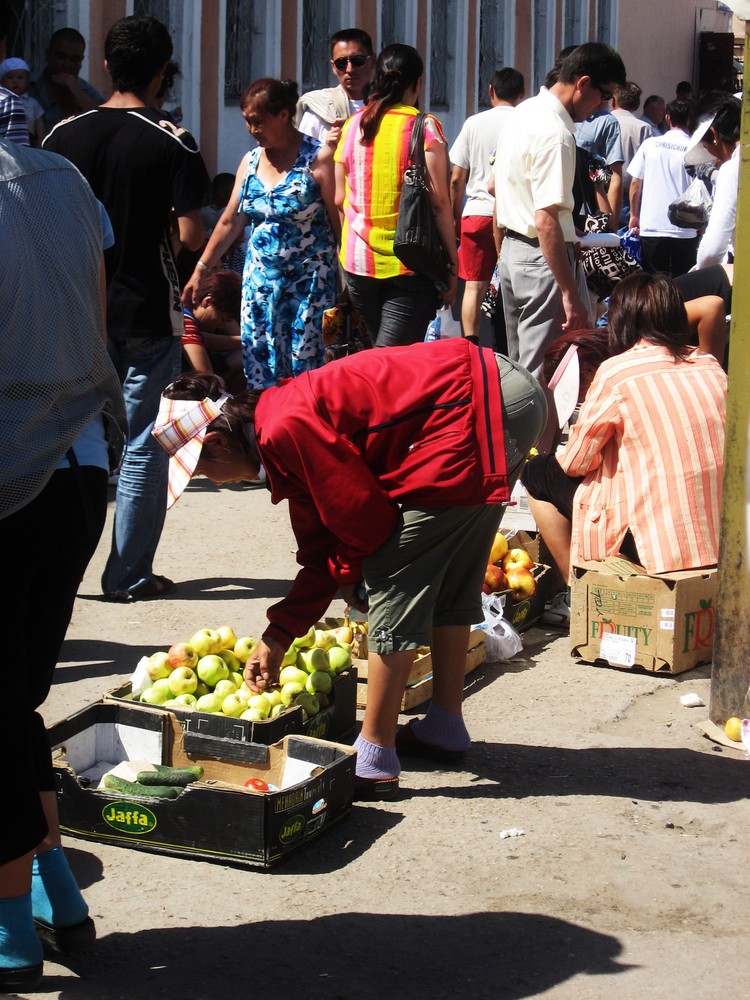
(521, 584)
(494, 579)
(516, 559)
(182, 655)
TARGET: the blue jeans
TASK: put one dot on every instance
(145, 368)
(396, 311)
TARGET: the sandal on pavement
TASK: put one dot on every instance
(157, 586)
(66, 940)
(374, 789)
(410, 745)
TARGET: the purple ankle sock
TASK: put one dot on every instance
(374, 761)
(443, 729)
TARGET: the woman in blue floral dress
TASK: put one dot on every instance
(284, 189)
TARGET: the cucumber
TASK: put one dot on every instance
(115, 784)
(163, 775)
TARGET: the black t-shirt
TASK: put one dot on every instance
(140, 169)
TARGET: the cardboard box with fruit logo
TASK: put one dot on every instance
(625, 618)
(245, 803)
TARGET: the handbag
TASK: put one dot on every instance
(605, 266)
(417, 242)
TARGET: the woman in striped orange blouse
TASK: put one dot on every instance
(396, 304)
(642, 470)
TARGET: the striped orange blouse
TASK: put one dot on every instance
(650, 443)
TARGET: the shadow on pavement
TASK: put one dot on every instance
(661, 774)
(348, 956)
(211, 588)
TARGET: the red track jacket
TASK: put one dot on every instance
(347, 444)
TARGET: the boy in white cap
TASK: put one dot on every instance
(15, 76)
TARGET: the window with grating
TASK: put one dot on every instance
(317, 17)
(160, 9)
(543, 56)
(606, 16)
(492, 45)
(30, 26)
(244, 47)
(439, 56)
(573, 23)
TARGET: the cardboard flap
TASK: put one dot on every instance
(202, 745)
(615, 565)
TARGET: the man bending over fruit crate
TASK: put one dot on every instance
(394, 463)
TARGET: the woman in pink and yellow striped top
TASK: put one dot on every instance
(371, 158)
(642, 470)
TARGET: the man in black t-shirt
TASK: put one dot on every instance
(141, 167)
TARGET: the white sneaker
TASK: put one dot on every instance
(557, 612)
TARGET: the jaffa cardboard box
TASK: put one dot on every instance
(623, 617)
(214, 819)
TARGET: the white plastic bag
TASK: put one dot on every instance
(449, 327)
(501, 639)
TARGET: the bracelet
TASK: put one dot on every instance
(202, 266)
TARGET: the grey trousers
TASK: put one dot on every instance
(532, 302)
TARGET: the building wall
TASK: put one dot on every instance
(656, 40)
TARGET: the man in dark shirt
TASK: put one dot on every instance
(142, 168)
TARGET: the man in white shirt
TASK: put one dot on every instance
(658, 177)
(472, 156)
(321, 113)
(534, 173)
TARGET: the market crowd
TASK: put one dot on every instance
(186, 327)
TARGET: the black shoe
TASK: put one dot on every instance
(374, 789)
(408, 744)
(66, 940)
(25, 980)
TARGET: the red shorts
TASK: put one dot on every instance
(477, 255)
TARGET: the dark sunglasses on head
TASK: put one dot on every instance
(356, 61)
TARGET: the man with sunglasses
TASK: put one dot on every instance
(321, 113)
(534, 173)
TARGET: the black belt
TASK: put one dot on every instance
(530, 240)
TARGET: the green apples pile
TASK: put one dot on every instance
(205, 674)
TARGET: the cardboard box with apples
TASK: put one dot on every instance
(622, 617)
(217, 818)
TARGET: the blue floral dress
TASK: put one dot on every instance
(289, 277)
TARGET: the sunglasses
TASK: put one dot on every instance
(356, 61)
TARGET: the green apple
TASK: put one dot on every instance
(319, 680)
(288, 674)
(233, 706)
(202, 689)
(308, 703)
(235, 666)
(206, 641)
(290, 657)
(274, 696)
(228, 638)
(182, 654)
(211, 669)
(155, 695)
(158, 666)
(237, 678)
(209, 703)
(339, 659)
(278, 709)
(225, 688)
(261, 702)
(244, 692)
(186, 700)
(324, 640)
(253, 715)
(313, 659)
(290, 691)
(182, 680)
(306, 640)
(244, 647)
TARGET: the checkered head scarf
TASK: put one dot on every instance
(180, 429)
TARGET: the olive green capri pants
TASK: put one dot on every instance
(430, 571)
